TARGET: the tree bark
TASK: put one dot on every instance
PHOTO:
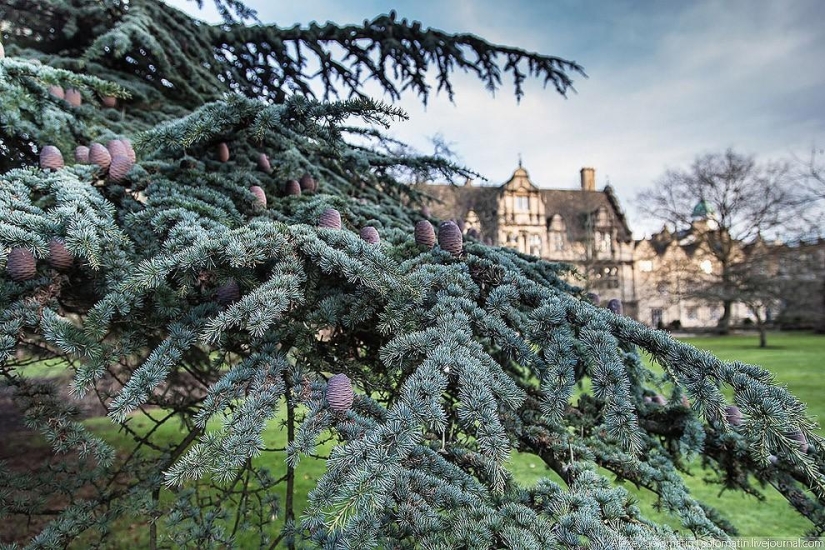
(723, 326)
(290, 471)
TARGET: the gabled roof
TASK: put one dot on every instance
(519, 181)
(575, 206)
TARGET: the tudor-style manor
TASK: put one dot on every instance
(583, 227)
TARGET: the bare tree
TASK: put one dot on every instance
(725, 201)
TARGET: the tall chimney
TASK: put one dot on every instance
(588, 179)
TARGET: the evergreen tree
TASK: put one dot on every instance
(205, 245)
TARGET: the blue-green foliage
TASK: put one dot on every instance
(456, 361)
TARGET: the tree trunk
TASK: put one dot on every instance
(723, 326)
(763, 336)
(290, 471)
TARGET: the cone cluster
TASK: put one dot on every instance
(117, 157)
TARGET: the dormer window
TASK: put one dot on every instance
(522, 204)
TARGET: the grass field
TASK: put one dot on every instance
(795, 360)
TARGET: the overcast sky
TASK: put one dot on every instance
(667, 81)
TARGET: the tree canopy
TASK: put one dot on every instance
(207, 247)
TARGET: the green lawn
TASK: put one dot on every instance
(793, 358)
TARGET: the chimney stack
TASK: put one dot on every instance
(588, 179)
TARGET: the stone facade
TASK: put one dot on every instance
(670, 268)
(656, 279)
(582, 227)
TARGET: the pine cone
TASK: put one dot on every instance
(59, 256)
(339, 393)
(223, 152)
(800, 438)
(293, 188)
(424, 234)
(130, 151)
(57, 91)
(263, 163)
(593, 298)
(109, 101)
(425, 211)
(21, 265)
(81, 154)
(115, 148)
(659, 399)
(733, 415)
(2, 51)
(449, 238)
(73, 97)
(473, 233)
(330, 218)
(51, 158)
(615, 305)
(119, 167)
(370, 234)
(308, 184)
(259, 194)
(228, 293)
(99, 155)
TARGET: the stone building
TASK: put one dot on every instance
(582, 227)
(672, 266)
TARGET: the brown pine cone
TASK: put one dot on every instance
(59, 256)
(339, 393)
(99, 155)
(51, 158)
(81, 154)
(57, 91)
(263, 163)
(293, 188)
(424, 234)
(21, 265)
(308, 184)
(259, 194)
(73, 97)
(370, 234)
(223, 152)
(449, 238)
(119, 167)
(229, 293)
(330, 218)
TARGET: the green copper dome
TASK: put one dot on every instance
(702, 210)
